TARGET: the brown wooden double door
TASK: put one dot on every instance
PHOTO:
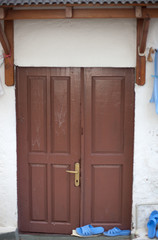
(67, 116)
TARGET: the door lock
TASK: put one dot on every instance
(77, 174)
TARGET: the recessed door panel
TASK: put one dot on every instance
(60, 200)
(107, 114)
(106, 207)
(38, 192)
(60, 106)
(36, 87)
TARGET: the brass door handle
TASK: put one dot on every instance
(77, 174)
(71, 171)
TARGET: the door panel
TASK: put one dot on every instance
(108, 112)
(60, 114)
(106, 179)
(70, 115)
(48, 110)
(60, 198)
(37, 113)
(38, 180)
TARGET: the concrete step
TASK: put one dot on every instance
(67, 237)
(16, 236)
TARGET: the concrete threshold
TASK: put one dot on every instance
(67, 237)
(9, 236)
(16, 236)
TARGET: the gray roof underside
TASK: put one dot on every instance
(47, 2)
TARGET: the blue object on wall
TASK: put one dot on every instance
(154, 97)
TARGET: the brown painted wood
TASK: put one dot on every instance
(103, 13)
(150, 13)
(141, 60)
(77, 13)
(80, 13)
(35, 14)
(82, 148)
(68, 115)
(48, 121)
(144, 35)
(109, 99)
(4, 40)
(9, 60)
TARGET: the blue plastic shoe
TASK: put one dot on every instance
(89, 230)
(117, 232)
(152, 227)
(157, 234)
(153, 214)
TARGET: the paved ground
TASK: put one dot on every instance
(16, 236)
(67, 237)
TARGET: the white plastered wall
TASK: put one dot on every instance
(145, 185)
(8, 188)
(107, 43)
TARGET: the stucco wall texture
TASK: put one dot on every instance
(83, 43)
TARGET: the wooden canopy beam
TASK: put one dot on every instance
(142, 32)
(81, 13)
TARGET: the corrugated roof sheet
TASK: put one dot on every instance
(44, 2)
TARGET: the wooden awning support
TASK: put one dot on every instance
(142, 14)
(4, 41)
(142, 32)
(9, 60)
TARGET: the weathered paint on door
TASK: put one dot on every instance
(69, 115)
(108, 114)
(48, 106)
